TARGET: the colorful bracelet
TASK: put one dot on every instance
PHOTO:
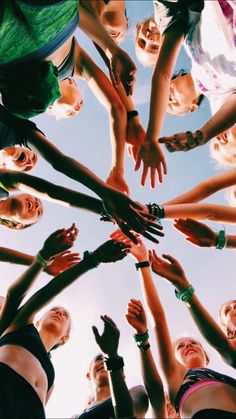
(143, 264)
(221, 240)
(141, 338)
(131, 114)
(185, 295)
(41, 261)
(156, 210)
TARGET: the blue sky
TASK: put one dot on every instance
(107, 290)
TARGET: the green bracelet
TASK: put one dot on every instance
(41, 261)
(141, 338)
(221, 240)
(185, 295)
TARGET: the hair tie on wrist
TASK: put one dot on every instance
(221, 240)
(41, 261)
(131, 114)
(185, 295)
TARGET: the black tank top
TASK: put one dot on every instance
(28, 338)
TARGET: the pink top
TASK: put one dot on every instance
(193, 388)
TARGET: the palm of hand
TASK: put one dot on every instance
(172, 272)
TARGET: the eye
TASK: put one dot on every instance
(226, 310)
(155, 47)
(141, 43)
(22, 157)
(180, 346)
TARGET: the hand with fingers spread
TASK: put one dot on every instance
(138, 251)
(136, 316)
(117, 181)
(171, 270)
(122, 70)
(197, 233)
(130, 215)
(110, 251)
(59, 241)
(183, 141)
(108, 341)
(152, 156)
(62, 262)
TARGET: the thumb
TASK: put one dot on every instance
(96, 334)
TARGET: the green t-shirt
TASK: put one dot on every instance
(27, 26)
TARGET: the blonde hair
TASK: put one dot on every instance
(231, 334)
(222, 154)
(13, 225)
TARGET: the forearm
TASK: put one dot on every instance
(118, 123)
(206, 188)
(121, 400)
(13, 256)
(212, 212)
(91, 25)
(222, 120)
(66, 164)
(231, 241)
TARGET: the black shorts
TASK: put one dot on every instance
(18, 399)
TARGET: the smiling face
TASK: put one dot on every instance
(183, 95)
(24, 208)
(223, 146)
(18, 158)
(147, 42)
(227, 316)
(71, 101)
(97, 373)
(190, 353)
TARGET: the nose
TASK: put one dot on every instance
(79, 106)
(150, 35)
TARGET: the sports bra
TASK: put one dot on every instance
(28, 338)
(196, 378)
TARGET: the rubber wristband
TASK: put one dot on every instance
(144, 264)
(41, 261)
(113, 364)
(185, 295)
(131, 114)
(143, 348)
(141, 338)
(221, 240)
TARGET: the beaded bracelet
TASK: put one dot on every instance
(141, 338)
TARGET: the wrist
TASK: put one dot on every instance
(113, 364)
(143, 264)
(221, 240)
(185, 295)
(183, 286)
(41, 260)
(45, 254)
(91, 259)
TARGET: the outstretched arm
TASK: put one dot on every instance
(108, 343)
(173, 272)
(150, 152)
(222, 120)
(108, 252)
(56, 243)
(136, 317)
(107, 95)
(206, 188)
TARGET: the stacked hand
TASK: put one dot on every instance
(183, 141)
(171, 270)
(59, 241)
(110, 251)
(108, 341)
(130, 215)
(197, 233)
(136, 316)
(138, 251)
(151, 154)
(117, 181)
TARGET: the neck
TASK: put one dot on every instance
(102, 392)
(48, 340)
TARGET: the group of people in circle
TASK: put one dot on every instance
(40, 62)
